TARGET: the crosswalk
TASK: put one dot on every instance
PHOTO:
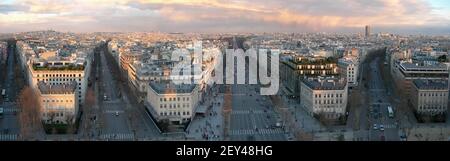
(8, 137)
(390, 126)
(247, 112)
(10, 110)
(387, 126)
(118, 137)
(252, 132)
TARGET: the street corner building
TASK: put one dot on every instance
(430, 97)
(325, 97)
(59, 102)
(58, 72)
(173, 102)
(55, 66)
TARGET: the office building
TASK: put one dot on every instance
(367, 31)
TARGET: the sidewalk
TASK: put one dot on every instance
(209, 127)
(428, 133)
(303, 121)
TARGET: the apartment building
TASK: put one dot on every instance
(348, 68)
(299, 67)
(324, 96)
(59, 102)
(430, 97)
(176, 103)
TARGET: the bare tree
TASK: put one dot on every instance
(90, 100)
(30, 115)
(89, 104)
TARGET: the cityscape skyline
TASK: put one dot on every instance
(342, 16)
(197, 70)
(126, 87)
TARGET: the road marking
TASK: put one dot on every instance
(8, 137)
(253, 132)
(117, 136)
(11, 110)
(390, 126)
(246, 112)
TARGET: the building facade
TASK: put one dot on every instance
(430, 97)
(300, 67)
(59, 102)
(367, 31)
(59, 73)
(405, 72)
(349, 69)
(176, 103)
(324, 97)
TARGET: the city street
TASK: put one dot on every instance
(378, 113)
(9, 123)
(116, 125)
(9, 129)
(123, 117)
(253, 116)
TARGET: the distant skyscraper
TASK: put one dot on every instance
(367, 31)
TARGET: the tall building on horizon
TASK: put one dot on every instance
(367, 29)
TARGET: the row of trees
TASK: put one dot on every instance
(30, 115)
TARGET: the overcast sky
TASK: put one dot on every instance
(399, 16)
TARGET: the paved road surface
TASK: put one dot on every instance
(379, 101)
(9, 125)
(253, 116)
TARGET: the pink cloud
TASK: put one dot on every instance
(197, 14)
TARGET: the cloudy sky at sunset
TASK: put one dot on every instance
(401, 16)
